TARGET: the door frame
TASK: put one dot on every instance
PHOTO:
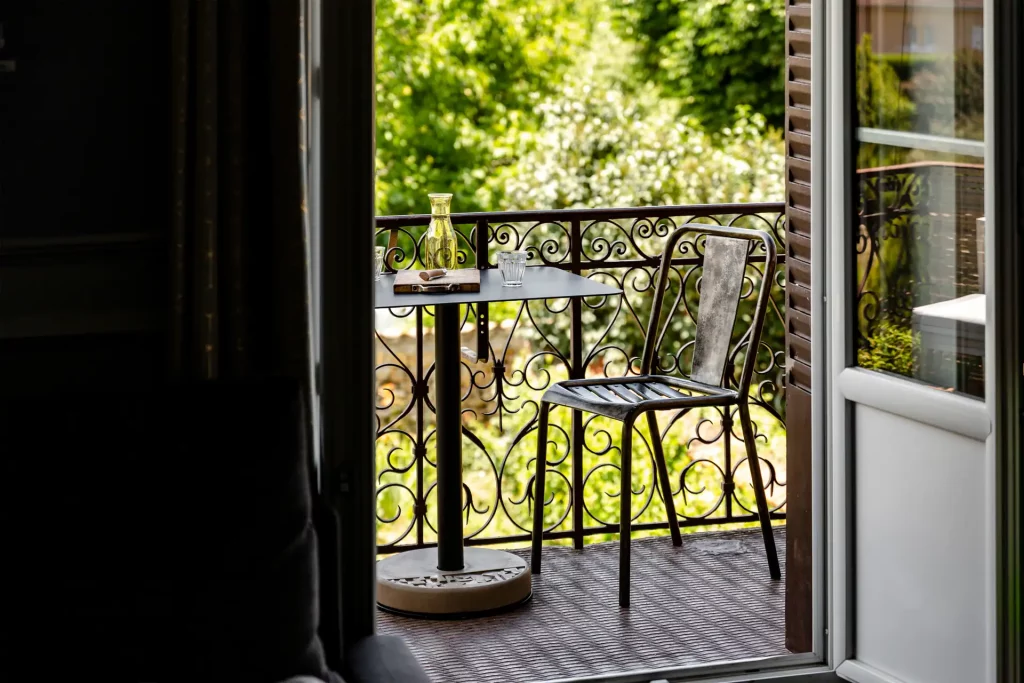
(342, 179)
(834, 199)
(345, 181)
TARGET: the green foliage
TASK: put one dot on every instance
(523, 105)
(453, 76)
(881, 99)
(882, 102)
(715, 55)
(892, 347)
(603, 141)
(599, 145)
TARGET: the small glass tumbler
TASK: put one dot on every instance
(378, 262)
(512, 266)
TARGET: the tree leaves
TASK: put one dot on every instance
(454, 78)
(520, 105)
(715, 55)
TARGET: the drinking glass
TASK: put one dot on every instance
(378, 262)
(512, 266)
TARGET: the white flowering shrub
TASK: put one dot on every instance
(603, 141)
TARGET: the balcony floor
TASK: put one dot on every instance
(707, 601)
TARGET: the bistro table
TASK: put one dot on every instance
(450, 580)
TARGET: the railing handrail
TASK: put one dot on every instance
(544, 215)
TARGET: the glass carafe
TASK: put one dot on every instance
(440, 248)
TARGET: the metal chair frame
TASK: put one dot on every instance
(627, 398)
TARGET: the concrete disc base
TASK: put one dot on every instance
(491, 580)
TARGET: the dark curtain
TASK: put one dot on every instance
(239, 247)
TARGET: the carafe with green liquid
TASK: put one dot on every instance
(440, 247)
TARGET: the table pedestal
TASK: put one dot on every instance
(490, 581)
(450, 581)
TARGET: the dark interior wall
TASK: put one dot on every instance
(85, 118)
(84, 168)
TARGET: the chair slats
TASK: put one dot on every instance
(644, 390)
(601, 391)
(624, 393)
(581, 392)
(725, 262)
(666, 392)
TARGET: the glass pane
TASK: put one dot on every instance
(920, 299)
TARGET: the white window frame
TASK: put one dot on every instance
(922, 141)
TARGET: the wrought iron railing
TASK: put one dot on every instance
(917, 243)
(905, 211)
(521, 348)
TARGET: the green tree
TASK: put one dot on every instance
(715, 55)
(454, 76)
(602, 140)
(881, 103)
(881, 100)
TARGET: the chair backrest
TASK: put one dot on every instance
(725, 262)
(726, 252)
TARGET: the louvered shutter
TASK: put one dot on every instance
(798, 325)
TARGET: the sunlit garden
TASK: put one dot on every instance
(537, 105)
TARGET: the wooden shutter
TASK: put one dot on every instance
(798, 325)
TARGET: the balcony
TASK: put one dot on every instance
(708, 601)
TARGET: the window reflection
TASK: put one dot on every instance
(920, 184)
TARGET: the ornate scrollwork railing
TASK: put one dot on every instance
(906, 213)
(523, 347)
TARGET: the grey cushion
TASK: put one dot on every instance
(383, 659)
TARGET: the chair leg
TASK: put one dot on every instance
(759, 495)
(626, 511)
(663, 480)
(538, 495)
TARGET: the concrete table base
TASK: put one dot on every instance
(490, 581)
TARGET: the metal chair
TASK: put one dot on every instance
(627, 398)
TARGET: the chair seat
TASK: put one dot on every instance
(620, 397)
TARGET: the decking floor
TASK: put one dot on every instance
(710, 600)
